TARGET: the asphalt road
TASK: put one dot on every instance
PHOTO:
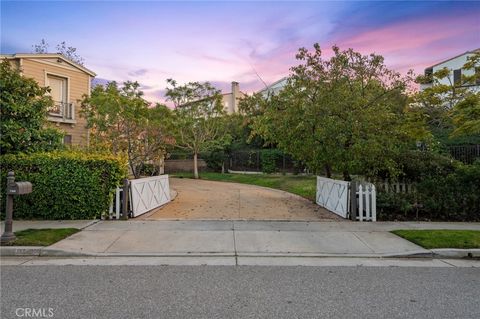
(240, 292)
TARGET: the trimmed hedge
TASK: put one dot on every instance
(66, 184)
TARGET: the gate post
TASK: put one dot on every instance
(353, 200)
(125, 199)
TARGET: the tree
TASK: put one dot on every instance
(199, 124)
(62, 48)
(121, 121)
(345, 114)
(23, 111)
(452, 108)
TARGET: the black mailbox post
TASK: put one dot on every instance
(13, 188)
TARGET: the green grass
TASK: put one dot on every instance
(442, 238)
(41, 237)
(304, 186)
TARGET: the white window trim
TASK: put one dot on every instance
(53, 119)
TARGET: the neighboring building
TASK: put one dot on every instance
(232, 99)
(455, 65)
(68, 82)
(274, 88)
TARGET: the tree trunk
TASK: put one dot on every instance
(195, 165)
(346, 176)
(328, 170)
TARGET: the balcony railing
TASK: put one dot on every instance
(62, 111)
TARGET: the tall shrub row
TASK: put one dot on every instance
(445, 190)
(66, 184)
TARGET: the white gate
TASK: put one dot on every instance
(337, 197)
(366, 202)
(333, 195)
(149, 193)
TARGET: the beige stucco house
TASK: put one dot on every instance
(232, 99)
(68, 82)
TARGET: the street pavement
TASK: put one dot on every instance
(240, 292)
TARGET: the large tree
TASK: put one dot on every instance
(345, 114)
(199, 124)
(23, 114)
(123, 122)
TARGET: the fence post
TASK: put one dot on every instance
(125, 199)
(360, 203)
(258, 161)
(374, 204)
(353, 200)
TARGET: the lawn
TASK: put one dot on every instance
(442, 238)
(304, 186)
(41, 237)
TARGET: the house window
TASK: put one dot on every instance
(67, 140)
(457, 77)
(58, 92)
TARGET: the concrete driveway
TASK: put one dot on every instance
(209, 200)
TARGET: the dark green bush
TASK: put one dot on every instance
(66, 185)
(268, 159)
(147, 169)
(214, 160)
(454, 197)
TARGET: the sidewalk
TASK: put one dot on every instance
(237, 238)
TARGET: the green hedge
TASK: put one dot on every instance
(452, 196)
(66, 184)
(269, 158)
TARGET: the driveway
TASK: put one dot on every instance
(209, 200)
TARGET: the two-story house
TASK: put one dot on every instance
(68, 82)
(455, 65)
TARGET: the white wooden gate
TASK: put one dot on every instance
(333, 195)
(336, 195)
(149, 193)
(366, 202)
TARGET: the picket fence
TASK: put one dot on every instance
(352, 200)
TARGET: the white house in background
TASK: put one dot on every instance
(232, 99)
(274, 88)
(455, 65)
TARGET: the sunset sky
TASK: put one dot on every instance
(226, 41)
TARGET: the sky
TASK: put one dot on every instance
(250, 42)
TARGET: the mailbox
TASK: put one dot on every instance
(19, 188)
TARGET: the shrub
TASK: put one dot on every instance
(269, 159)
(454, 196)
(148, 169)
(66, 184)
(418, 165)
(214, 160)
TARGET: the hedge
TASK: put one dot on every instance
(452, 196)
(66, 184)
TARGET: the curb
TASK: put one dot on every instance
(455, 253)
(24, 251)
